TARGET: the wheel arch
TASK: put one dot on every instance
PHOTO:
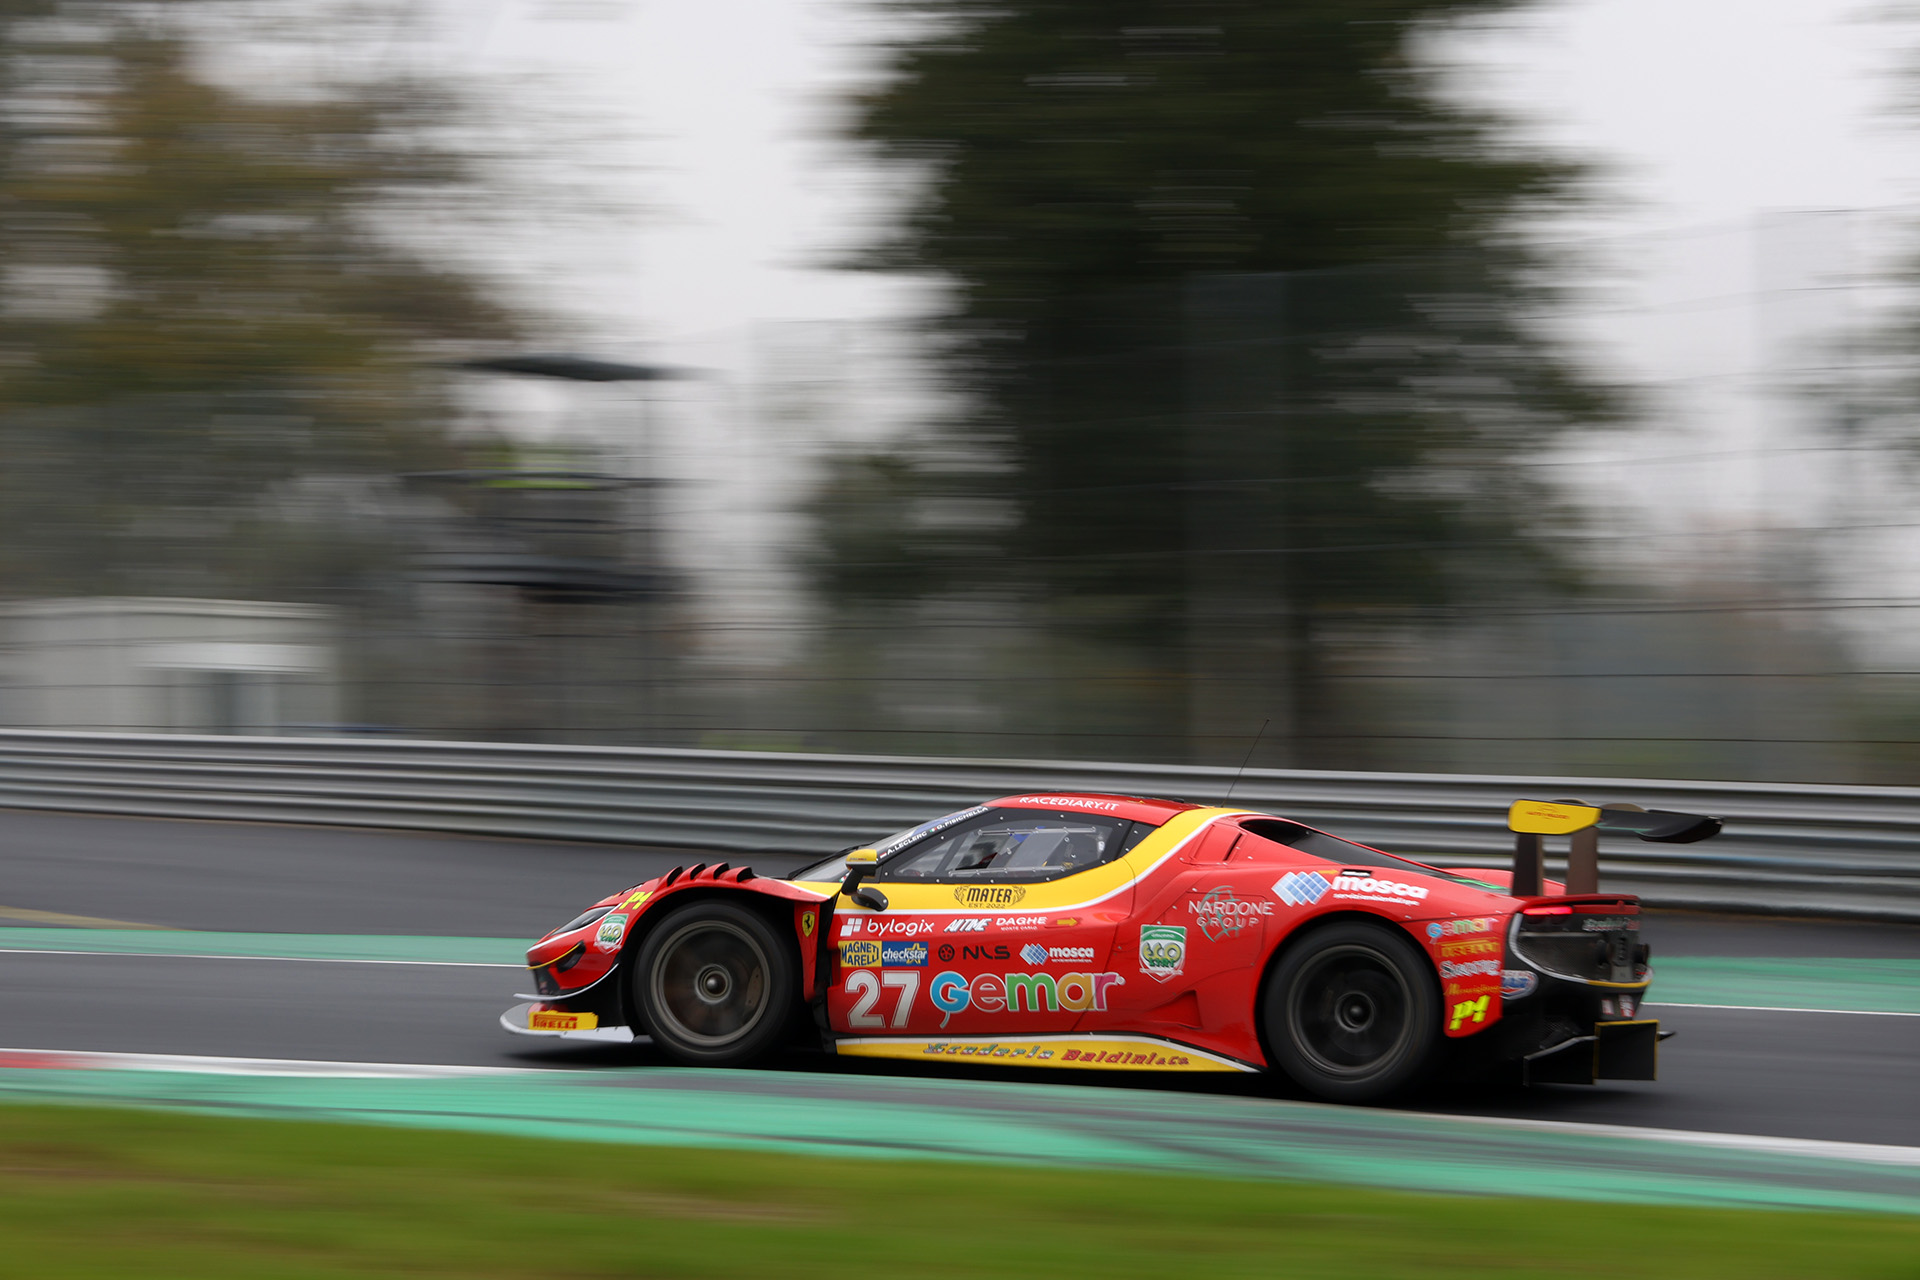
(776, 908)
(1299, 936)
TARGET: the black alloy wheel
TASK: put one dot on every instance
(1352, 1012)
(715, 985)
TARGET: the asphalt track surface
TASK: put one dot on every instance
(1834, 1076)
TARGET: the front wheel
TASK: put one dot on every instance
(714, 985)
(1352, 1013)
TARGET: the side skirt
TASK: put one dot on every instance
(1097, 1052)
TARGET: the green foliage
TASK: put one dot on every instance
(99, 1193)
(209, 293)
(1242, 308)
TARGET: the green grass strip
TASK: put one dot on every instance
(1888, 986)
(292, 946)
(1070, 1127)
(87, 1194)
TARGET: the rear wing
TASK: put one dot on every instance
(1531, 820)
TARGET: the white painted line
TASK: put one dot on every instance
(63, 1059)
(1824, 1148)
(194, 955)
(1767, 1008)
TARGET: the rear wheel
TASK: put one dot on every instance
(1352, 1013)
(714, 984)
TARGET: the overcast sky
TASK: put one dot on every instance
(1709, 110)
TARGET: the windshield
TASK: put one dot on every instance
(835, 868)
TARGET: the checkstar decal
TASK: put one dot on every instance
(1301, 888)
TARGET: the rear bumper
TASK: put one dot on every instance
(1614, 1051)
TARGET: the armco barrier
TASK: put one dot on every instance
(1807, 850)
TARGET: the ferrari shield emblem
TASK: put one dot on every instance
(806, 924)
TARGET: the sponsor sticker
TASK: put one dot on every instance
(967, 924)
(613, 927)
(1034, 953)
(1022, 992)
(1469, 968)
(928, 828)
(1460, 948)
(903, 955)
(1468, 1013)
(1603, 924)
(1163, 950)
(637, 897)
(1301, 888)
(1068, 802)
(1372, 888)
(877, 926)
(806, 924)
(989, 895)
(548, 1020)
(1515, 983)
(1223, 913)
(860, 955)
(1457, 928)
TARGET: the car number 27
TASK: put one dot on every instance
(865, 985)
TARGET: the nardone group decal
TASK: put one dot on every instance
(613, 927)
(1371, 888)
(1223, 913)
(1163, 950)
(989, 895)
(1034, 953)
(1301, 888)
(1038, 992)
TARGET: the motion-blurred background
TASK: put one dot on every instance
(1362, 384)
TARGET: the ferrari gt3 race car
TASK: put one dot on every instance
(1118, 933)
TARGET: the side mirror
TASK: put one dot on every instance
(862, 863)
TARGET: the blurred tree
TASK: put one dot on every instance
(209, 295)
(1248, 325)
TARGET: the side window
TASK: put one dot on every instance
(1012, 845)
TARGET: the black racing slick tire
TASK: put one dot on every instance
(1352, 1013)
(715, 985)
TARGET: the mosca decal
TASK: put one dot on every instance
(612, 928)
(1034, 953)
(1163, 950)
(1301, 888)
(1224, 913)
(903, 954)
(1038, 992)
(1354, 885)
(989, 895)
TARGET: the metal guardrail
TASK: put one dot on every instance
(1802, 850)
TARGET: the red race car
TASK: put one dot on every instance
(1119, 933)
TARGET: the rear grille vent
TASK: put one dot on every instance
(1586, 948)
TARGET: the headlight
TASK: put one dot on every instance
(580, 921)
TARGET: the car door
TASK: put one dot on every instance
(1002, 926)
(1199, 925)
